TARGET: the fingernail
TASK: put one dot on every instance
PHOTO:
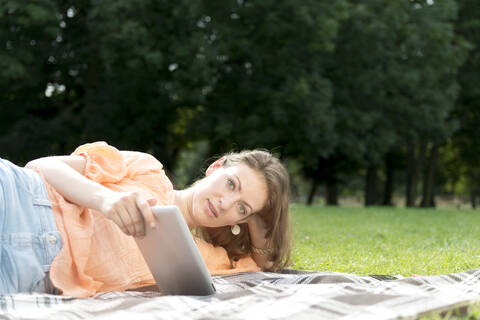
(152, 224)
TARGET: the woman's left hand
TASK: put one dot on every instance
(258, 230)
(256, 223)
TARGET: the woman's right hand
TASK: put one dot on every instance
(129, 211)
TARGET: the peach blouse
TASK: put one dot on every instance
(96, 255)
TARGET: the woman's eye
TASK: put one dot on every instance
(230, 183)
(242, 209)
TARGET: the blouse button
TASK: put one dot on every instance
(52, 239)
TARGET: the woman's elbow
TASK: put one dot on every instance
(34, 164)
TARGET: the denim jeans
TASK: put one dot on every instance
(29, 239)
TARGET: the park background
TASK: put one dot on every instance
(370, 102)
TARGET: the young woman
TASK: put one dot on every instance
(67, 222)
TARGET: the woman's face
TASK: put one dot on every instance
(228, 195)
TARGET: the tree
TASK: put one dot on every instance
(119, 71)
(436, 55)
(270, 88)
(364, 50)
(466, 141)
(28, 32)
(394, 83)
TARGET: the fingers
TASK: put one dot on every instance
(146, 210)
(140, 214)
(136, 219)
(126, 219)
(115, 217)
(130, 212)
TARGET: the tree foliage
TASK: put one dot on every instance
(270, 88)
(394, 77)
(466, 141)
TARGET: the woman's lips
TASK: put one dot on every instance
(211, 209)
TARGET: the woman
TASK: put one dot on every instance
(72, 218)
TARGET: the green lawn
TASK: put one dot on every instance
(384, 240)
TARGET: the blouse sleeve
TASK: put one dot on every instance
(105, 163)
(146, 171)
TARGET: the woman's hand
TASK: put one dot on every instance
(256, 222)
(258, 230)
(129, 211)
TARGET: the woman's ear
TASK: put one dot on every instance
(214, 166)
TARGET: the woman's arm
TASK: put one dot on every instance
(257, 230)
(127, 209)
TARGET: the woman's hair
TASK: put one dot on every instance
(274, 213)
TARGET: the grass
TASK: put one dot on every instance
(384, 240)
(472, 313)
(391, 241)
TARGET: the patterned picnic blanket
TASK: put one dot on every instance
(261, 295)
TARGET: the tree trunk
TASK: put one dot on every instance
(428, 199)
(411, 193)
(371, 186)
(473, 200)
(414, 169)
(331, 196)
(313, 190)
(390, 169)
(327, 171)
(281, 157)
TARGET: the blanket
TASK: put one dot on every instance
(292, 294)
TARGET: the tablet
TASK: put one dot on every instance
(173, 257)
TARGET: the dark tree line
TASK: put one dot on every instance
(380, 89)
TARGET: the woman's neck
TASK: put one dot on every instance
(183, 200)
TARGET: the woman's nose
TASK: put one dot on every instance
(227, 201)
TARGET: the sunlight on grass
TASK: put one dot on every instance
(385, 240)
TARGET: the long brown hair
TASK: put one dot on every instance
(274, 213)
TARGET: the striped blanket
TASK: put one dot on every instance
(261, 295)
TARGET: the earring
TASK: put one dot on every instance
(236, 229)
